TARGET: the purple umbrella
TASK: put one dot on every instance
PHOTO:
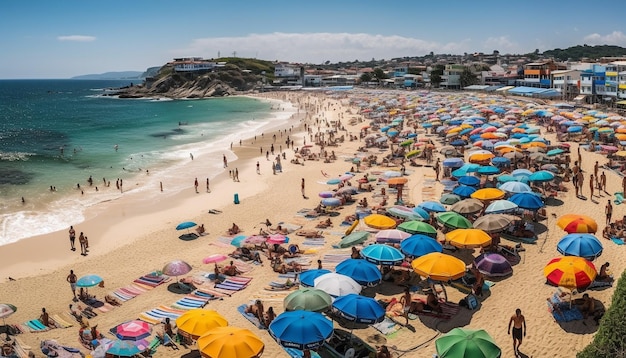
(493, 264)
(176, 268)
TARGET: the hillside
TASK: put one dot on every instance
(122, 75)
(577, 53)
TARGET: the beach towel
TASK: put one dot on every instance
(619, 198)
(35, 325)
(567, 314)
(617, 240)
(61, 322)
(296, 353)
(189, 303)
(386, 326)
(250, 317)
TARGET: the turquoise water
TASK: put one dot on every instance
(60, 132)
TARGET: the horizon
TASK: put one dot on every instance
(73, 38)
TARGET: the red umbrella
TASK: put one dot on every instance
(570, 272)
(133, 330)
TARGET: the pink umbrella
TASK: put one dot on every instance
(277, 239)
(345, 177)
(391, 235)
(255, 239)
(214, 258)
(176, 268)
(133, 330)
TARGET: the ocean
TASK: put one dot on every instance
(58, 133)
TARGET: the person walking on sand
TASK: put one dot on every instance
(236, 174)
(519, 330)
(208, 190)
(72, 238)
(608, 212)
(71, 278)
(225, 161)
(258, 167)
(195, 184)
(302, 188)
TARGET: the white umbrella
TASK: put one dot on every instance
(336, 284)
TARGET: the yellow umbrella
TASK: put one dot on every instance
(507, 149)
(468, 238)
(455, 130)
(481, 156)
(227, 342)
(439, 267)
(534, 144)
(621, 153)
(378, 221)
(577, 223)
(197, 322)
(620, 136)
(488, 194)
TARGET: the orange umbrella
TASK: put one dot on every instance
(468, 238)
(578, 223)
(488, 194)
(397, 181)
(481, 156)
(378, 221)
(439, 267)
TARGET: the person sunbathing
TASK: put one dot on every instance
(324, 224)
(269, 317)
(200, 230)
(231, 270)
(45, 319)
(292, 251)
(363, 202)
(587, 305)
(112, 300)
(310, 233)
(356, 254)
(234, 230)
(280, 267)
(76, 313)
(603, 274)
(256, 309)
(280, 230)
(432, 303)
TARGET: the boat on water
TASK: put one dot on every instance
(343, 344)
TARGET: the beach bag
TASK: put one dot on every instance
(470, 302)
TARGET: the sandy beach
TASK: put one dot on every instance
(131, 237)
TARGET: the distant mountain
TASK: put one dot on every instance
(577, 53)
(122, 75)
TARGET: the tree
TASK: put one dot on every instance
(435, 75)
(366, 77)
(379, 74)
(468, 77)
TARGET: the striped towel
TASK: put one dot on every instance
(61, 322)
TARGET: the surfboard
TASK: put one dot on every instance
(351, 228)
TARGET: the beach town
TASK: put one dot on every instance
(375, 224)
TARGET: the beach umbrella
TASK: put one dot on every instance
(505, 178)
(570, 272)
(493, 264)
(528, 201)
(308, 277)
(480, 156)
(500, 161)
(421, 212)
(392, 174)
(515, 187)
(176, 268)
(404, 212)
(488, 170)
(336, 284)
(197, 322)
(301, 329)
(391, 235)
(308, 299)
(412, 153)
(463, 342)
(333, 181)
(541, 176)
(468, 238)
(417, 227)
(492, 223)
(185, 225)
(419, 245)
(226, 342)
(581, 245)
(6, 310)
(359, 309)
(133, 330)
(277, 239)
(378, 221)
(453, 220)
(452, 163)
(469, 180)
(124, 348)
(439, 267)
(89, 281)
(332, 202)
(500, 206)
(382, 254)
(464, 191)
(577, 223)
(488, 194)
(354, 238)
(467, 206)
(214, 258)
(326, 194)
(350, 190)
(521, 173)
(432, 206)
(363, 272)
(449, 199)
(346, 176)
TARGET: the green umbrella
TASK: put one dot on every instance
(449, 199)
(308, 299)
(460, 343)
(417, 227)
(355, 238)
(453, 220)
(407, 142)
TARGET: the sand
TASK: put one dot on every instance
(131, 237)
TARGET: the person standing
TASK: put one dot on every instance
(72, 238)
(236, 174)
(195, 184)
(591, 186)
(603, 182)
(71, 278)
(519, 330)
(302, 188)
(608, 212)
(580, 179)
(258, 167)
(225, 161)
(81, 241)
(208, 190)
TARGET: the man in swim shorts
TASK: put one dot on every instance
(519, 330)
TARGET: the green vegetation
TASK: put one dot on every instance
(610, 340)
(254, 65)
(576, 53)
(468, 78)
(435, 75)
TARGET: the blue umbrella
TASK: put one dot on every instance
(331, 202)
(385, 128)
(505, 178)
(529, 201)
(554, 152)
(453, 163)
(575, 129)
(421, 212)
(123, 348)
(458, 143)
(465, 169)
(361, 271)
(500, 206)
(307, 277)
(515, 187)
(301, 329)
(419, 245)
(469, 180)
(541, 176)
(582, 245)
(521, 173)
(89, 281)
(359, 309)
(464, 191)
(500, 161)
(488, 170)
(185, 225)
(432, 206)
(382, 254)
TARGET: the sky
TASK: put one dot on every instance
(61, 39)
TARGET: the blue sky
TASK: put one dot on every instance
(60, 39)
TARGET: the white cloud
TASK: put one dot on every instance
(614, 38)
(77, 38)
(501, 43)
(317, 47)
